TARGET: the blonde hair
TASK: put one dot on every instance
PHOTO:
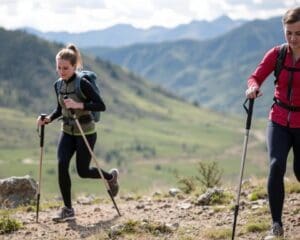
(72, 54)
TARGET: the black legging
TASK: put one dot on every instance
(67, 146)
(280, 140)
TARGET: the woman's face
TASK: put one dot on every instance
(292, 35)
(64, 68)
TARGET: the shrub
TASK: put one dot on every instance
(129, 227)
(258, 193)
(157, 228)
(209, 174)
(187, 184)
(220, 198)
(8, 225)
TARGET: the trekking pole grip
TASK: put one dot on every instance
(43, 116)
(249, 111)
(71, 110)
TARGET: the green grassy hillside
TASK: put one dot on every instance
(146, 132)
(147, 150)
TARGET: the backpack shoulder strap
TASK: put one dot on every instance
(57, 86)
(280, 61)
(78, 90)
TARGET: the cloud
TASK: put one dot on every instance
(83, 15)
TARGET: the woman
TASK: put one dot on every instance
(283, 130)
(68, 62)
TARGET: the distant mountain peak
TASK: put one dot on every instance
(125, 34)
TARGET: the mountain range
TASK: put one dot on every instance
(125, 34)
(142, 120)
(212, 72)
(147, 132)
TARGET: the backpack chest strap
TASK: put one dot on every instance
(291, 108)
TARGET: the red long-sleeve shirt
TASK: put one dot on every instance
(279, 114)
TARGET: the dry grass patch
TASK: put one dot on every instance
(218, 233)
(8, 224)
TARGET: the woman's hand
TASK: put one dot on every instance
(71, 104)
(253, 92)
(43, 121)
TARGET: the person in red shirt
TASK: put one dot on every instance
(283, 130)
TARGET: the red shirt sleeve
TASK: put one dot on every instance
(264, 68)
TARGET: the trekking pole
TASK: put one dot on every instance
(249, 111)
(42, 134)
(94, 158)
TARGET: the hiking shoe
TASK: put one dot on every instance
(65, 214)
(113, 183)
(276, 232)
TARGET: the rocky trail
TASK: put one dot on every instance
(175, 216)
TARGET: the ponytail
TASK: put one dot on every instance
(71, 53)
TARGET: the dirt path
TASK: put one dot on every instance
(155, 217)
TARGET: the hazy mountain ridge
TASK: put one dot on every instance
(26, 84)
(193, 68)
(28, 72)
(125, 34)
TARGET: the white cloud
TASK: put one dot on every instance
(208, 9)
(149, 13)
(83, 15)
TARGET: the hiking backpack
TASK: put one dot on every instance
(92, 78)
(278, 67)
(280, 61)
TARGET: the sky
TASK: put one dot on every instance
(85, 15)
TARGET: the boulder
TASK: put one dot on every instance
(16, 191)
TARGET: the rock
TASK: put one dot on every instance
(128, 198)
(97, 209)
(156, 194)
(116, 230)
(85, 200)
(174, 191)
(167, 205)
(205, 198)
(140, 206)
(184, 205)
(15, 191)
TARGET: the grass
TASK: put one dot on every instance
(149, 150)
(8, 224)
(221, 198)
(257, 226)
(292, 187)
(133, 227)
(218, 233)
(258, 192)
